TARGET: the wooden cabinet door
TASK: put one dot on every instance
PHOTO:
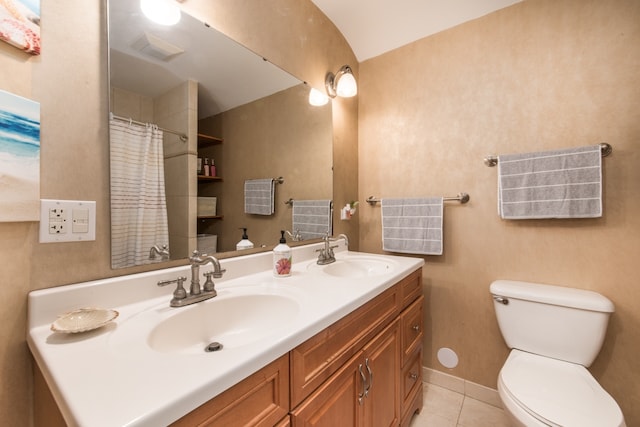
(261, 399)
(337, 402)
(382, 363)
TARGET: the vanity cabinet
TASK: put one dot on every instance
(363, 392)
(315, 360)
(365, 369)
(262, 399)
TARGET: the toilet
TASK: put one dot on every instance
(554, 333)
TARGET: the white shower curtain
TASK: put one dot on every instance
(138, 201)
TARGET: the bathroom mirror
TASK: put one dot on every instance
(190, 79)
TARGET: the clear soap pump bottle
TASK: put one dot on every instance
(244, 243)
(282, 258)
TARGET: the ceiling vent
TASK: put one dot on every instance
(156, 47)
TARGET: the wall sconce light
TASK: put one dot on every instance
(317, 98)
(163, 12)
(342, 84)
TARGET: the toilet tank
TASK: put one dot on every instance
(554, 321)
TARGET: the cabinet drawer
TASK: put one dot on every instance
(411, 287)
(315, 360)
(411, 378)
(261, 399)
(412, 329)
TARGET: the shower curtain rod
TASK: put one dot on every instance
(183, 137)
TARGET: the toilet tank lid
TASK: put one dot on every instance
(551, 294)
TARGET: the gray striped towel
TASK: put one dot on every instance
(412, 226)
(552, 184)
(259, 196)
(312, 218)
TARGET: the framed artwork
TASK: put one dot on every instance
(19, 158)
(20, 24)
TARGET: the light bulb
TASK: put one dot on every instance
(163, 12)
(317, 98)
(347, 86)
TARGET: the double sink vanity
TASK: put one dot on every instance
(335, 344)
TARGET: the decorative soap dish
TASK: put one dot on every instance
(83, 320)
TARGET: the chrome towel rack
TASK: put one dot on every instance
(605, 149)
(278, 180)
(461, 197)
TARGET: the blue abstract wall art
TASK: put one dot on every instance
(19, 158)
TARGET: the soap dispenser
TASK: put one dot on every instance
(282, 258)
(245, 243)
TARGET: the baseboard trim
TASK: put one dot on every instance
(462, 386)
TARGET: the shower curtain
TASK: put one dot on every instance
(138, 201)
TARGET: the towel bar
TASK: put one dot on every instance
(605, 148)
(279, 180)
(461, 197)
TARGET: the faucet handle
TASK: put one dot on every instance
(195, 256)
(179, 293)
(209, 286)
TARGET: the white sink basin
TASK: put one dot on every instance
(233, 322)
(356, 267)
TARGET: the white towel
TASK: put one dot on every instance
(552, 184)
(259, 196)
(312, 218)
(412, 226)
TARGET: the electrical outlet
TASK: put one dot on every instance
(57, 220)
(67, 221)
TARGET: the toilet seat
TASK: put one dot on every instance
(558, 393)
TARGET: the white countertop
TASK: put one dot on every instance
(112, 377)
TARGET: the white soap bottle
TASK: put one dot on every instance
(282, 258)
(244, 243)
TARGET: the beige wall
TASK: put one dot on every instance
(69, 80)
(279, 135)
(538, 75)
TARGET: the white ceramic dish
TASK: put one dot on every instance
(83, 320)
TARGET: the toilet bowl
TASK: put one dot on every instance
(554, 334)
(539, 391)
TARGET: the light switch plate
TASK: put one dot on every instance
(67, 221)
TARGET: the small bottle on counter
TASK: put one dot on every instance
(200, 166)
(212, 168)
(207, 170)
(244, 243)
(282, 258)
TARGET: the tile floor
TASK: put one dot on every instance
(446, 408)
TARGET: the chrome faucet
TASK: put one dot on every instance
(196, 294)
(344, 237)
(156, 250)
(296, 236)
(197, 260)
(326, 255)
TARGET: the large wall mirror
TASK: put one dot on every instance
(216, 102)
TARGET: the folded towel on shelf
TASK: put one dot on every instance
(312, 218)
(412, 226)
(552, 184)
(259, 196)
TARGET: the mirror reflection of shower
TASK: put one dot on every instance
(189, 79)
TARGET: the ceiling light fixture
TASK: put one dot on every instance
(342, 84)
(317, 98)
(163, 12)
